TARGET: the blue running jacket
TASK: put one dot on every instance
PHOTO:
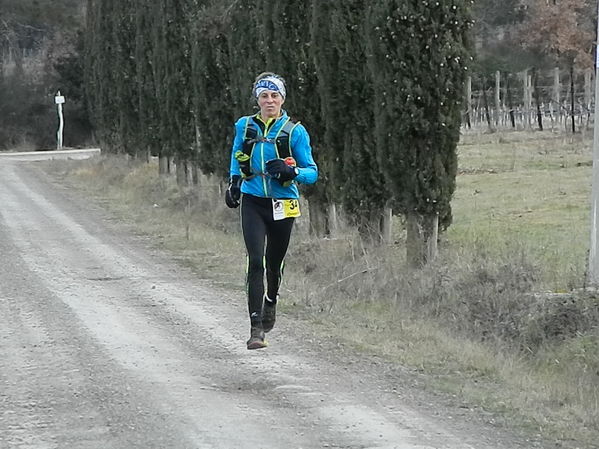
(261, 184)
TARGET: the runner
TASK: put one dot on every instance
(271, 154)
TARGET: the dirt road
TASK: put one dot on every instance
(105, 343)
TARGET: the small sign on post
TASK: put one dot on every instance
(59, 100)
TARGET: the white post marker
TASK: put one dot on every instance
(59, 100)
(593, 271)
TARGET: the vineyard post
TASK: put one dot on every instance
(593, 263)
(497, 97)
(556, 93)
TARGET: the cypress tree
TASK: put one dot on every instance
(246, 49)
(172, 75)
(124, 73)
(347, 92)
(90, 49)
(159, 67)
(418, 64)
(285, 26)
(98, 71)
(213, 105)
(147, 106)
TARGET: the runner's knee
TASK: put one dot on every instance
(256, 266)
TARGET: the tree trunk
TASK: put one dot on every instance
(142, 155)
(181, 173)
(332, 219)
(369, 228)
(375, 230)
(164, 166)
(421, 242)
(195, 174)
(319, 219)
(386, 225)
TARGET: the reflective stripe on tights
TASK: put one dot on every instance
(266, 242)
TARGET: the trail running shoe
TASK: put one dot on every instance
(256, 340)
(269, 315)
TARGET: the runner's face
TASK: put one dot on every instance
(270, 103)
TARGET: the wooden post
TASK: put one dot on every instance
(587, 88)
(588, 76)
(529, 111)
(508, 98)
(572, 97)
(556, 94)
(469, 102)
(535, 81)
(59, 100)
(497, 97)
(486, 103)
(525, 96)
(506, 103)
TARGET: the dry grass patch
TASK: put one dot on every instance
(471, 323)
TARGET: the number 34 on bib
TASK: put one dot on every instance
(285, 209)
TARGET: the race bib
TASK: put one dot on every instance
(285, 209)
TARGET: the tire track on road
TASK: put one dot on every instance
(181, 350)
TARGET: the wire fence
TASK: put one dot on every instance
(533, 99)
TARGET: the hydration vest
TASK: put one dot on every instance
(282, 140)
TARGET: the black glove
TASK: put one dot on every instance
(233, 192)
(278, 169)
(244, 163)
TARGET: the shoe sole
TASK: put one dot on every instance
(257, 345)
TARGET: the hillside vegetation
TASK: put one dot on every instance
(39, 54)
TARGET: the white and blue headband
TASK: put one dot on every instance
(270, 83)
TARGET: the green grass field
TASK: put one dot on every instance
(534, 193)
(493, 322)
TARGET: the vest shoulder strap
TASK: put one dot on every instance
(249, 137)
(283, 139)
(249, 131)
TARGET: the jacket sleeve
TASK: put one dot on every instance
(237, 145)
(302, 152)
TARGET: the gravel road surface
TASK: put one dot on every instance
(106, 343)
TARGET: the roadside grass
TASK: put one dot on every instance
(499, 322)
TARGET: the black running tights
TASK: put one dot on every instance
(260, 230)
